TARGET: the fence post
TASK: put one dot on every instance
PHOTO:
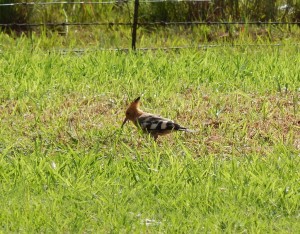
(135, 23)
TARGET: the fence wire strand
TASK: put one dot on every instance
(65, 24)
(203, 47)
(94, 3)
(217, 23)
(160, 23)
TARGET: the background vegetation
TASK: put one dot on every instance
(110, 36)
(218, 10)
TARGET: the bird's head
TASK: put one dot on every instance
(132, 111)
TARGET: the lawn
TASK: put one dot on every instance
(67, 167)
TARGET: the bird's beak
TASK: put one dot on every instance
(124, 122)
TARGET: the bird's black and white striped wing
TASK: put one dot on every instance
(156, 124)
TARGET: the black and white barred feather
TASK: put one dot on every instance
(157, 125)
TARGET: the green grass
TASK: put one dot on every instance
(66, 167)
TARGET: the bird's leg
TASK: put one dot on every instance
(154, 136)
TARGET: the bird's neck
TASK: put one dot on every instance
(139, 112)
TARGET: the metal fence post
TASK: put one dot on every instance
(135, 23)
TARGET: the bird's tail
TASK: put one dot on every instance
(187, 130)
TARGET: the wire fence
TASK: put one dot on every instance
(65, 24)
(199, 47)
(135, 20)
(159, 23)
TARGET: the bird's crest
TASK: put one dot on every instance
(137, 100)
(135, 104)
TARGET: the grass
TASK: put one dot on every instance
(67, 167)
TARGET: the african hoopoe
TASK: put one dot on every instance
(150, 123)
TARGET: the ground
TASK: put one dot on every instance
(66, 166)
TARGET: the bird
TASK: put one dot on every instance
(152, 124)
